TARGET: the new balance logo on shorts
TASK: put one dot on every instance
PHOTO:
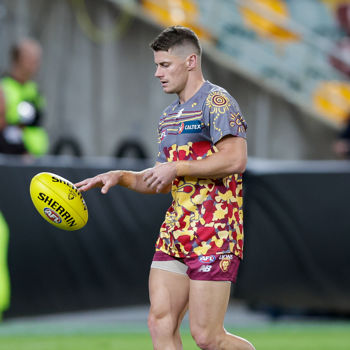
(205, 268)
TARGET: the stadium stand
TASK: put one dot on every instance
(285, 44)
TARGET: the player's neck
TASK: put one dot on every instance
(191, 88)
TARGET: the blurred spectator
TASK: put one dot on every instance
(341, 61)
(343, 17)
(342, 145)
(341, 58)
(2, 111)
(20, 130)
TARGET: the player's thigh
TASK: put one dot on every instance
(169, 293)
(207, 305)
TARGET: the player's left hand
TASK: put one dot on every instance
(160, 176)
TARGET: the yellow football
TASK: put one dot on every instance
(58, 201)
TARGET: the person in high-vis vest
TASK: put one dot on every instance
(24, 105)
(4, 273)
(2, 111)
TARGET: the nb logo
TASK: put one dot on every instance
(205, 268)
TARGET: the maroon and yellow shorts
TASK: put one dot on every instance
(222, 267)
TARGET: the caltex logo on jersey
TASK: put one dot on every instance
(181, 128)
(190, 127)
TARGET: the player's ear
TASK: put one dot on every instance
(191, 61)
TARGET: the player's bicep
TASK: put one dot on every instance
(234, 151)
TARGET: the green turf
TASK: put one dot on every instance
(298, 338)
(288, 337)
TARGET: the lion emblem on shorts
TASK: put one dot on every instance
(225, 264)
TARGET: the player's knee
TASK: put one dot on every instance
(203, 339)
(159, 321)
(154, 319)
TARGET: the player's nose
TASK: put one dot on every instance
(158, 73)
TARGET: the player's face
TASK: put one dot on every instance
(171, 71)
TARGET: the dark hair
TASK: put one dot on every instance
(176, 36)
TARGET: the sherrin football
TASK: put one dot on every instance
(58, 201)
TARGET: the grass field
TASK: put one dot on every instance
(293, 336)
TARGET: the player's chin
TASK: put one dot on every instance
(167, 89)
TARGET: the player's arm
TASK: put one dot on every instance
(231, 158)
(129, 179)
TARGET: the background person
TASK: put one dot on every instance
(202, 153)
(341, 146)
(21, 132)
(2, 111)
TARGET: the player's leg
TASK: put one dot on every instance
(169, 299)
(207, 308)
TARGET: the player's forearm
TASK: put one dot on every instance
(215, 166)
(134, 181)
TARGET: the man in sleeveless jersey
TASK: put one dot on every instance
(202, 155)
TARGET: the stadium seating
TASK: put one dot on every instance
(290, 46)
(286, 44)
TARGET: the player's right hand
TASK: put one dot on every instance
(104, 181)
